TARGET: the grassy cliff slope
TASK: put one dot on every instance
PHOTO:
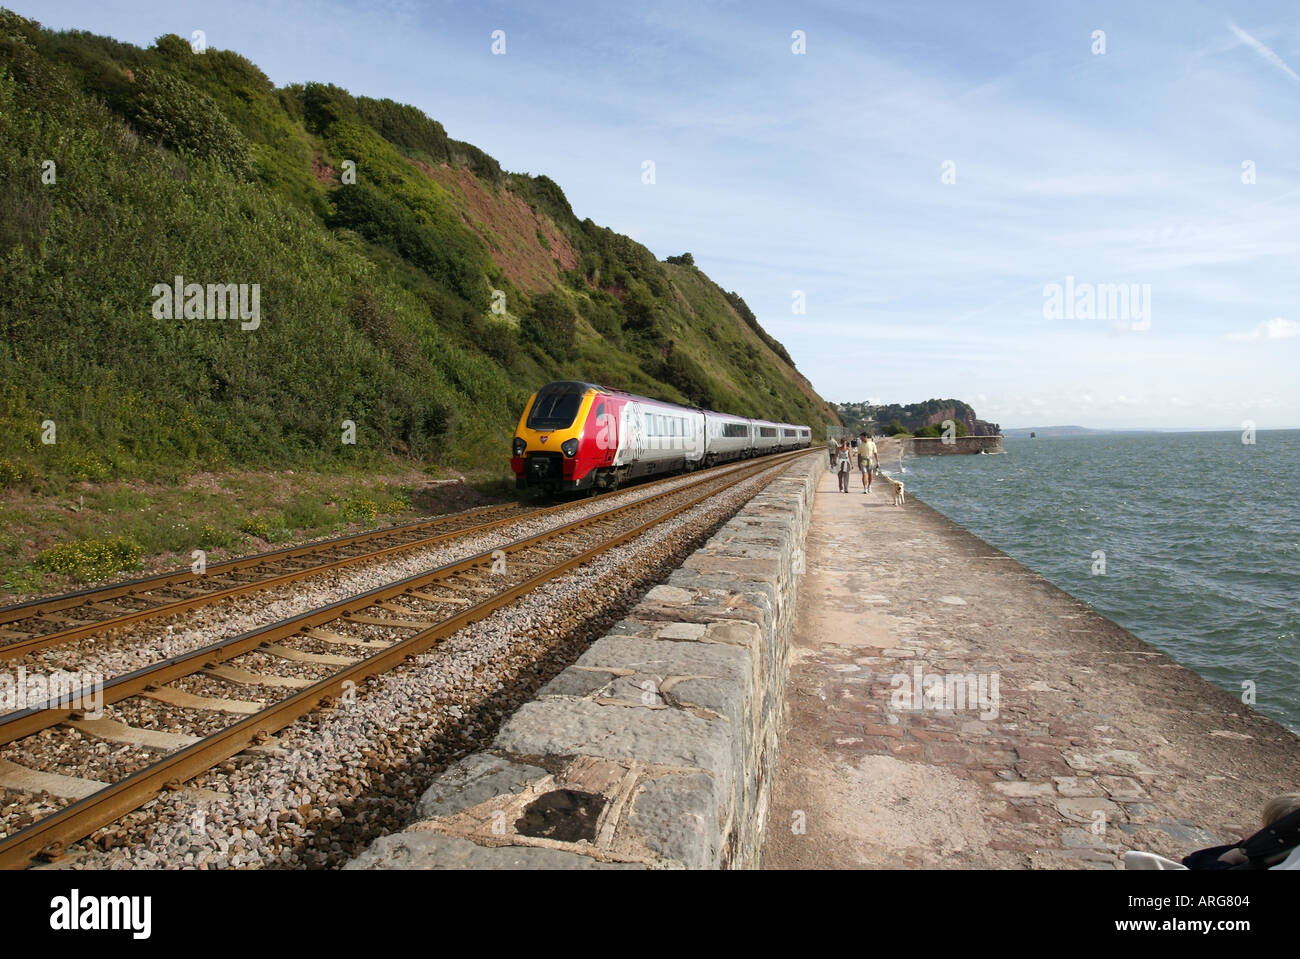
(406, 282)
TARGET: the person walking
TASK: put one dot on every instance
(832, 448)
(843, 464)
(868, 460)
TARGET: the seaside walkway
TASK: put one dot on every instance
(1097, 743)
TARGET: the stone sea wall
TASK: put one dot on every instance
(656, 749)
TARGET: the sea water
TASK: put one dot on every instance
(1189, 540)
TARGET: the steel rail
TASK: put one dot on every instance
(25, 722)
(141, 588)
(50, 835)
(127, 588)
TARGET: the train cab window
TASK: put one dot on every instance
(556, 407)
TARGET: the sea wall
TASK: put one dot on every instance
(657, 748)
(937, 446)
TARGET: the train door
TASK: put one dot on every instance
(606, 423)
(634, 433)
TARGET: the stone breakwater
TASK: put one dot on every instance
(657, 748)
(937, 446)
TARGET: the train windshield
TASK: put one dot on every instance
(556, 407)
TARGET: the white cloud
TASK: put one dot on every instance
(1274, 329)
(1263, 51)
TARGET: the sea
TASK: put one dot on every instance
(1200, 534)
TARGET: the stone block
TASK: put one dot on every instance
(677, 816)
(419, 849)
(565, 727)
(475, 779)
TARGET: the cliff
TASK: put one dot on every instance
(390, 277)
(915, 417)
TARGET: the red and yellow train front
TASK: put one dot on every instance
(566, 435)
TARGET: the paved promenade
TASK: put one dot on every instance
(1059, 740)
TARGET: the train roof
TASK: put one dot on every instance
(581, 386)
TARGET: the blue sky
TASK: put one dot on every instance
(823, 173)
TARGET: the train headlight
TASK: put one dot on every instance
(570, 447)
(519, 446)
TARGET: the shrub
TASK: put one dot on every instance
(257, 526)
(167, 108)
(551, 324)
(681, 371)
(84, 466)
(89, 559)
(359, 509)
(443, 250)
(11, 474)
(211, 537)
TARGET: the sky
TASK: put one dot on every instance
(919, 199)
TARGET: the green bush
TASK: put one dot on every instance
(84, 465)
(168, 109)
(11, 474)
(90, 559)
(257, 526)
(212, 537)
(445, 252)
(689, 378)
(550, 323)
(356, 509)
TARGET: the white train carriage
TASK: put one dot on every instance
(658, 437)
(767, 436)
(789, 436)
(726, 437)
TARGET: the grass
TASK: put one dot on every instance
(96, 531)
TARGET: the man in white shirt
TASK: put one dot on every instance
(868, 460)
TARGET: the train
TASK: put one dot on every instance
(575, 436)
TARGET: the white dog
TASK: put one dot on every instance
(900, 494)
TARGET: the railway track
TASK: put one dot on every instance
(50, 621)
(328, 651)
